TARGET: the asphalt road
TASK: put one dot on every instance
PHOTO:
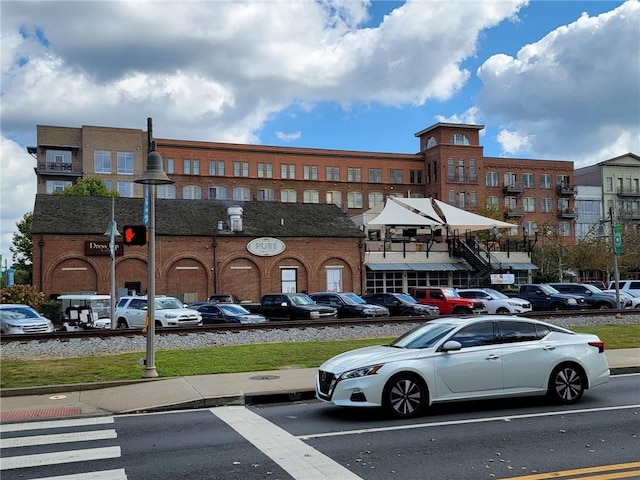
(522, 438)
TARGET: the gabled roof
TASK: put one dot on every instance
(71, 215)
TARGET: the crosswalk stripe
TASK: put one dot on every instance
(58, 438)
(41, 459)
(75, 422)
(292, 454)
(104, 475)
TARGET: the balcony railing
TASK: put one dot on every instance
(513, 187)
(467, 180)
(567, 213)
(515, 212)
(56, 168)
(567, 189)
(628, 192)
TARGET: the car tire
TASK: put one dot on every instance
(567, 384)
(463, 311)
(557, 307)
(122, 324)
(405, 395)
(604, 306)
(503, 311)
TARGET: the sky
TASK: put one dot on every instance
(548, 79)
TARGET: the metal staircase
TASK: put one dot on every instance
(481, 267)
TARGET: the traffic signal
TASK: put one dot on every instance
(134, 235)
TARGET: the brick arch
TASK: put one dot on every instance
(242, 276)
(350, 272)
(304, 277)
(132, 268)
(77, 274)
(187, 278)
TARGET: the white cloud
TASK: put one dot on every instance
(572, 95)
(288, 137)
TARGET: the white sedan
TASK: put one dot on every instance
(495, 301)
(451, 359)
(626, 299)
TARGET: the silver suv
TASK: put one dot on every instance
(630, 286)
(20, 319)
(131, 312)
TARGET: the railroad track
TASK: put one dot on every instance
(318, 324)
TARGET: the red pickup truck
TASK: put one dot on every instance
(448, 300)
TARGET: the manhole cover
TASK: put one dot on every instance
(264, 377)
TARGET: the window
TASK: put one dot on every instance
(511, 203)
(334, 279)
(265, 170)
(125, 189)
(191, 192)
(240, 169)
(493, 202)
(288, 195)
(242, 194)
(335, 198)
(186, 166)
(166, 191)
(217, 193)
(473, 172)
(354, 200)
(545, 180)
(265, 194)
(196, 166)
(529, 204)
(375, 198)
(459, 139)
(491, 179)
(563, 181)
(333, 174)
(102, 161)
(289, 280)
(529, 228)
(452, 197)
(528, 180)
(395, 176)
(57, 185)
(546, 205)
(476, 335)
(563, 204)
(415, 176)
(216, 168)
(608, 184)
(431, 142)
(311, 196)
(564, 229)
(354, 174)
(125, 163)
(461, 171)
(473, 199)
(310, 172)
(451, 170)
(375, 175)
(510, 179)
(461, 200)
(171, 165)
(514, 331)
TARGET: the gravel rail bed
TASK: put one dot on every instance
(81, 347)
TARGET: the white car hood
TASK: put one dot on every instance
(366, 356)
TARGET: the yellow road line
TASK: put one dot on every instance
(589, 470)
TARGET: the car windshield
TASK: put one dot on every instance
(549, 290)
(301, 299)
(450, 293)
(18, 313)
(406, 298)
(495, 293)
(352, 299)
(592, 288)
(168, 304)
(424, 336)
(232, 309)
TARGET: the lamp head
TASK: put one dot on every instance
(154, 174)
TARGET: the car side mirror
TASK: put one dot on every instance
(451, 346)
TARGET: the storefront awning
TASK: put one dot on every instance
(422, 267)
(519, 266)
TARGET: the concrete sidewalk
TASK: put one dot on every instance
(65, 401)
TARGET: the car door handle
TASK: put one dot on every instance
(493, 357)
(549, 347)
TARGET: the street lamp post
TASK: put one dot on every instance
(153, 175)
(112, 233)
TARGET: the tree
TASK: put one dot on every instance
(89, 187)
(22, 249)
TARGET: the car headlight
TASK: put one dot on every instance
(370, 311)
(572, 301)
(170, 315)
(514, 304)
(13, 325)
(361, 372)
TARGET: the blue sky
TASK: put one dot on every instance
(549, 80)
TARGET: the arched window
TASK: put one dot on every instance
(375, 198)
(431, 142)
(459, 139)
(265, 194)
(335, 198)
(288, 195)
(242, 194)
(191, 192)
(217, 193)
(311, 196)
(166, 191)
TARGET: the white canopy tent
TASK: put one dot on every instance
(462, 220)
(396, 214)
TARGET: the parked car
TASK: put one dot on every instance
(131, 312)
(224, 298)
(594, 297)
(626, 299)
(213, 312)
(403, 305)
(495, 301)
(629, 286)
(16, 318)
(290, 306)
(544, 297)
(596, 283)
(349, 305)
(446, 359)
(447, 300)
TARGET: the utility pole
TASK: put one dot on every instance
(616, 246)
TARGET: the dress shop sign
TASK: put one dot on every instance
(93, 248)
(265, 246)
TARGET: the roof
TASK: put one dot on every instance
(73, 215)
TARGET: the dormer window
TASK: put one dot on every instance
(431, 142)
(459, 139)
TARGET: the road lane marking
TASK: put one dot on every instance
(58, 438)
(73, 422)
(296, 457)
(56, 458)
(464, 422)
(586, 471)
(103, 475)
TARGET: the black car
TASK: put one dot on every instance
(349, 305)
(594, 297)
(226, 313)
(401, 304)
